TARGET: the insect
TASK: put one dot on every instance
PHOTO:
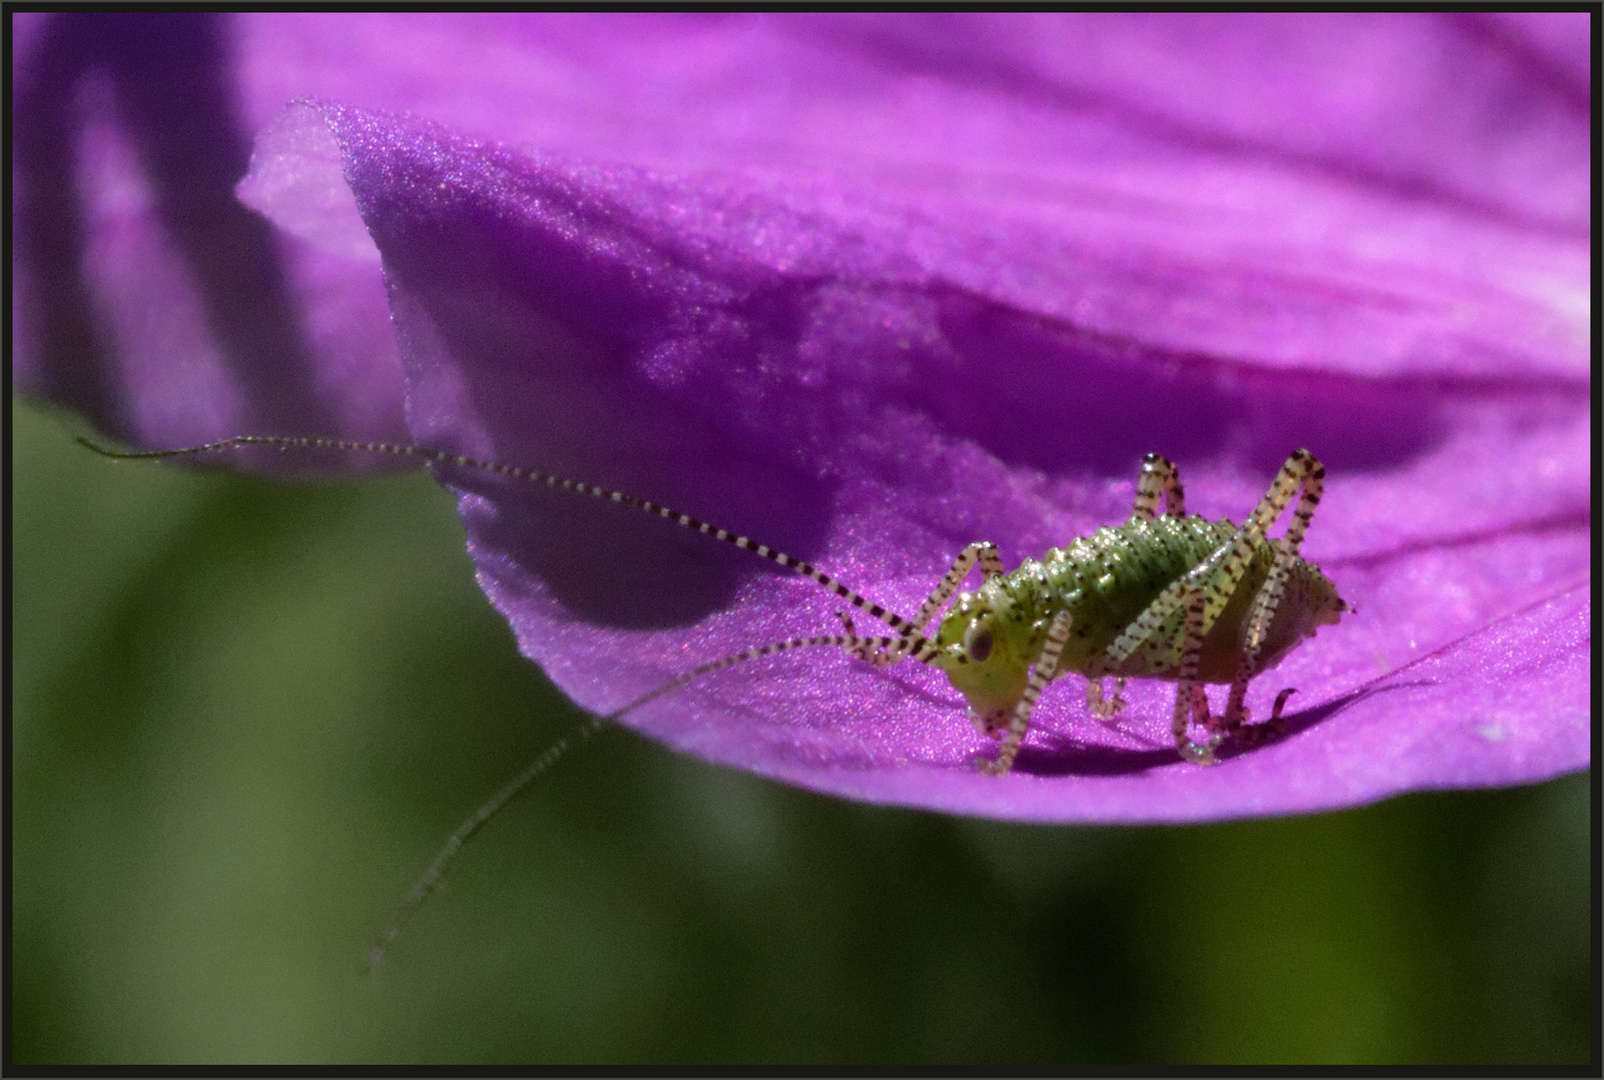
(1163, 596)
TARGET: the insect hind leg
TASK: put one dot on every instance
(1191, 703)
(1204, 592)
(1301, 474)
(1160, 479)
(1286, 549)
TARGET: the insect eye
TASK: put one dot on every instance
(977, 643)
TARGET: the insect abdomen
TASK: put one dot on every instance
(1109, 578)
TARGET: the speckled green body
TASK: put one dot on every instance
(1106, 581)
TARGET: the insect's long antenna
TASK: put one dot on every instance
(916, 641)
(851, 642)
(909, 642)
(434, 876)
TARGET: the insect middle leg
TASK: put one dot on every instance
(1101, 707)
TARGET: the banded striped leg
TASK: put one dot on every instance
(1041, 673)
(1287, 549)
(1101, 707)
(982, 551)
(1159, 478)
(1235, 721)
(878, 651)
(1189, 695)
(1235, 715)
(1160, 481)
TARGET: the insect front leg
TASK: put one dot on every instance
(1041, 673)
(982, 551)
(856, 651)
(871, 650)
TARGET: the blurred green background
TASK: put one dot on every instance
(246, 714)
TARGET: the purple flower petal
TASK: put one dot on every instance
(148, 297)
(869, 289)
